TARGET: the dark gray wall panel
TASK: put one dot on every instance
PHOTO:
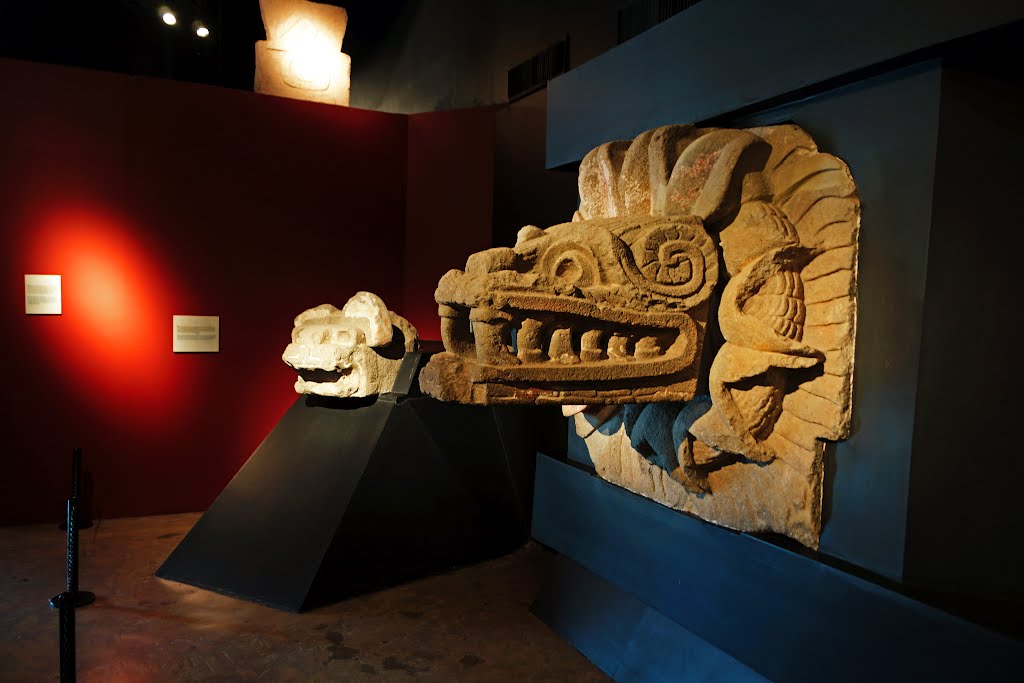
(626, 638)
(963, 530)
(723, 55)
(787, 617)
(885, 128)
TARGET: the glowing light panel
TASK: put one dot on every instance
(302, 57)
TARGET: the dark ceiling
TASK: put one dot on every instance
(128, 36)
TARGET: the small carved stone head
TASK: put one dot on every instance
(352, 352)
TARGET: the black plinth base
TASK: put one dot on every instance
(625, 638)
(345, 497)
(732, 606)
(82, 598)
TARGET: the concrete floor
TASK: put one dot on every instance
(468, 625)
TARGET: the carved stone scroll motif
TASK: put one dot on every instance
(712, 268)
(352, 352)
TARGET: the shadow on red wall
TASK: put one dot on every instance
(450, 191)
(153, 198)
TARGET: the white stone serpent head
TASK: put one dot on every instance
(352, 352)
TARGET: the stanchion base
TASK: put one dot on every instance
(82, 598)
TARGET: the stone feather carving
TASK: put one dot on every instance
(748, 452)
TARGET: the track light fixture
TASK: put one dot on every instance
(167, 15)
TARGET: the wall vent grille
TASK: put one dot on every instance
(535, 72)
(639, 16)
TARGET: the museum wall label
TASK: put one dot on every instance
(352, 352)
(43, 295)
(708, 272)
(196, 334)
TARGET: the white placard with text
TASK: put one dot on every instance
(196, 334)
(42, 295)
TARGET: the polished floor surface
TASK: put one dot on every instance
(472, 624)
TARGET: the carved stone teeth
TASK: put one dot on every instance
(455, 334)
(490, 343)
(618, 347)
(528, 341)
(448, 332)
(489, 315)
(590, 344)
(646, 348)
(561, 350)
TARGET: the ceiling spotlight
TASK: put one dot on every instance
(167, 15)
(200, 29)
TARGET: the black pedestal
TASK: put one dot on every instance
(638, 579)
(626, 638)
(345, 497)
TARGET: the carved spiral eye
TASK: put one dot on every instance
(573, 264)
(677, 260)
(678, 263)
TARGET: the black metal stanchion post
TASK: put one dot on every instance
(66, 605)
(76, 471)
(76, 489)
(82, 598)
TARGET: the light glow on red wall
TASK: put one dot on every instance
(102, 186)
(113, 341)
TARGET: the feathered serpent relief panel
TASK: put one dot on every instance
(699, 310)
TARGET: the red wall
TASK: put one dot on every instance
(450, 192)
(153, 198)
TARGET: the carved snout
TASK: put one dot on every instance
(315, 356)
(491, 261)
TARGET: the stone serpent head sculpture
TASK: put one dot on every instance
(711, 267)
(352, 352)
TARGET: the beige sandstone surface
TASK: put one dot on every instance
(352, 352)
(708, 272)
